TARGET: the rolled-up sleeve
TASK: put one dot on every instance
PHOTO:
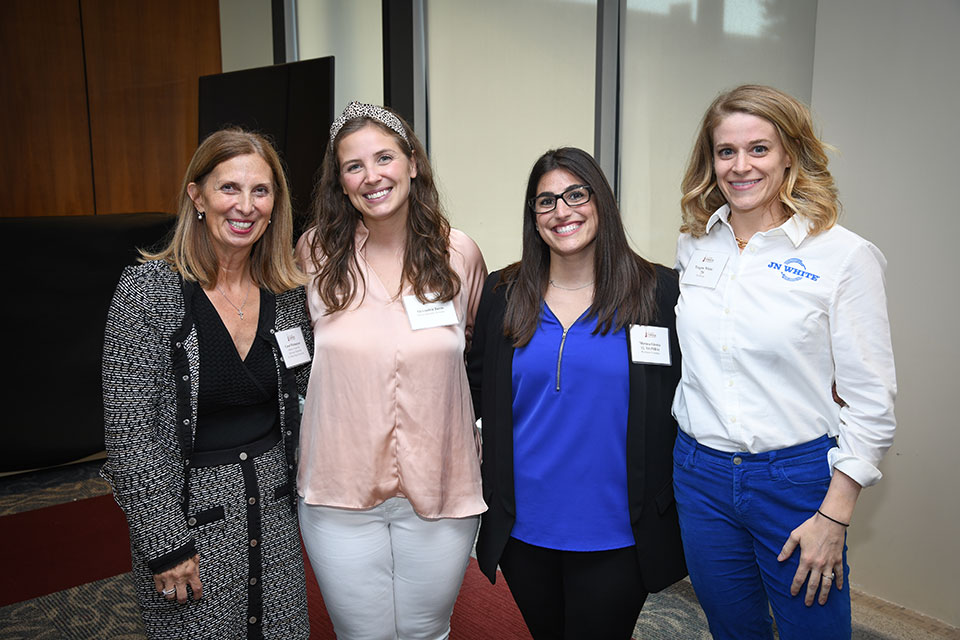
(863, 358)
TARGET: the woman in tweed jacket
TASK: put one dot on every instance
(200, 385)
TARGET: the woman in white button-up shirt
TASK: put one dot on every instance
(782, 313)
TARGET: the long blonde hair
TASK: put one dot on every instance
(808, 188)
(190, 250)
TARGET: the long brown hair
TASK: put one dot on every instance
(426, 258)
(625, 289)
(190, 250)
(808, 187)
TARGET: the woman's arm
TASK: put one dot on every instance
(476, 354)
(866, 382)
(144, 471)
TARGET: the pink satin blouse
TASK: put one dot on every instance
(388, 410)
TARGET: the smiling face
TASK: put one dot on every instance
(568, 231)
(375, 174)
(237, 200)
(750, 163)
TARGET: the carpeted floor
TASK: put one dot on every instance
(105, 606)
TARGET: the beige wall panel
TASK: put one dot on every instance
(507, 81)
(887, 91)
(678, 55)
(352, 32)
(246, 34)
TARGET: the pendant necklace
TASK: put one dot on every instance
(240, 308)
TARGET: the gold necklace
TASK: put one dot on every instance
(582, 286)
(741, 243)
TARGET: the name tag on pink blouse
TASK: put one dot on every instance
(429, 315)
(293, 348)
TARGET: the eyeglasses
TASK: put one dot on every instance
(574, 196)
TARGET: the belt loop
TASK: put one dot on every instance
(772, 464)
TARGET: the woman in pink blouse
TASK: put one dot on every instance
(389, 477)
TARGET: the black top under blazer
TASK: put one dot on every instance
(651, 431)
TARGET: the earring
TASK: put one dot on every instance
(269, 220)
(199, 215)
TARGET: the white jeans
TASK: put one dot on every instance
(386, 573)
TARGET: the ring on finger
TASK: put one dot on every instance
(169, 592)
(828, 576)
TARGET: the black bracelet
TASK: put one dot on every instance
(842, 524)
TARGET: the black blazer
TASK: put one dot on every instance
(651, 431)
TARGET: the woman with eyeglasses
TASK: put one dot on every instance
(573, 369)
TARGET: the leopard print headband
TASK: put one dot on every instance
(362, 110)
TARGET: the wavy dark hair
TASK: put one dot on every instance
(626, 284)
(426, 258)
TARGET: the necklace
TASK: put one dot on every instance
(240, 308)
(582, 286)
(741, 243)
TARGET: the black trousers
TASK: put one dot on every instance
(574, 595)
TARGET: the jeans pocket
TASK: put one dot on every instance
(805, 471)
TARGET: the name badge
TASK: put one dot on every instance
(704, 269)
(649, 345)
(293, 348)
(429, 315)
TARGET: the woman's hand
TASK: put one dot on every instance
(821, 541)
(172, 583)
(821, 557)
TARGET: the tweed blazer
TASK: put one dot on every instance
(651, 432)
(151, 368)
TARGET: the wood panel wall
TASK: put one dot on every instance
(144, 60)
(99, 101)
(43, 110)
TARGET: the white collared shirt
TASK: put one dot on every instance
(789, 316)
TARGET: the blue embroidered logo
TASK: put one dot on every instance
(792, 270)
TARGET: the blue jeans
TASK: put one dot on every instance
(736, 511)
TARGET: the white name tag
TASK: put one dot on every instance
(293, 348)
(429, 315)
(649, 345)
(704, 269)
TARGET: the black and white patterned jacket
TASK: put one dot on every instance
(151, 370)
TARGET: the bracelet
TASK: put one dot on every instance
(842, 524)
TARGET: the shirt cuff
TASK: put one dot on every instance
(862, 472)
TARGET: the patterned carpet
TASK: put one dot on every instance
(107, 609)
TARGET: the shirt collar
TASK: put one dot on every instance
(796, 227)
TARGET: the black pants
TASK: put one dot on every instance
(573, 595)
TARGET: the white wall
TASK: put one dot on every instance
(352, 32)
(246, 34)
(507, 81)
(678, 56)
(887, 91)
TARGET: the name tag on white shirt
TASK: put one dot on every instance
(649, 345)
(293, 348)
(704, 269)
(429, 315)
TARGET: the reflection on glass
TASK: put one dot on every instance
(507, 80)
(678, 55)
